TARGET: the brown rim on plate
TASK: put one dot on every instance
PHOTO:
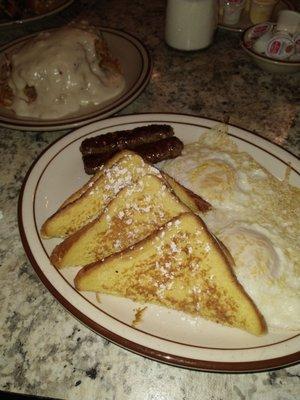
(113, 106)
(214, 366)
(203, 365)
(56, 10)
(119, 127)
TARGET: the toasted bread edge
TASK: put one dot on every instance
(260, 321)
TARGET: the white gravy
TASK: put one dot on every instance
(64, 69)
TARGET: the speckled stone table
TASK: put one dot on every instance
(43, 349)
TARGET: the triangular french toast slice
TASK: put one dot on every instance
(74, 215)
(196, 203)
(89, 201)
(135, 212)
(181, 266)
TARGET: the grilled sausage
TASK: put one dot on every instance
(129, 139)
(151, 152)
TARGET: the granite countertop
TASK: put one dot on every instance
(43, 349)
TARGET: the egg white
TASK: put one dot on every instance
(255, 215)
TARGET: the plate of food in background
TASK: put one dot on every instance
(69, 76)
(22, 11)
(240, 15)
(165, 234)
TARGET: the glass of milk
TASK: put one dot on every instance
(190, 24)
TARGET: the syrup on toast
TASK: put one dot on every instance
(180, 266)
(135, 212)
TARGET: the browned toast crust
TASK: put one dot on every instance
(190, 199)
(197, 203)
(222, 315)
(161, 208)
(62, 248)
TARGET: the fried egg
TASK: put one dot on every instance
(255, 215)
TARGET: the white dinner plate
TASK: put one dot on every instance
(162, 334)
(245, 22)
(22, 21)
(136, 65)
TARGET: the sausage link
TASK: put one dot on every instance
(129, 139)
(151, 152)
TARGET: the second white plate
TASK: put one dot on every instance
(136, 64)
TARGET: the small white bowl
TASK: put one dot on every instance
(267, 63)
